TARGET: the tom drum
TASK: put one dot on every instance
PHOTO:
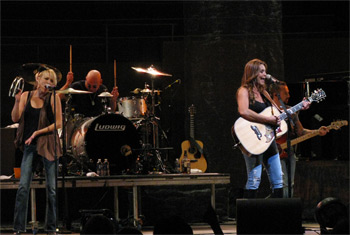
(132, 107)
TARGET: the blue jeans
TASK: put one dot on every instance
(254, 166)
(284, 163)
(22, 196)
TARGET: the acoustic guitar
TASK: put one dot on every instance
(256, 138)
(193, 147)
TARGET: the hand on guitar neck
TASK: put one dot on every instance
(282, 141)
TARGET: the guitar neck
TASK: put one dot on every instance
(291, 110)
(192, 126)
(305, 137)
(300, 139)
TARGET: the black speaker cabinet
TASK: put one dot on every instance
(8, 151)
(269, 216)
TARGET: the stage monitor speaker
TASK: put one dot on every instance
(269, 216)
(8, 151)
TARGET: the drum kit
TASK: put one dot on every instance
(129, 138)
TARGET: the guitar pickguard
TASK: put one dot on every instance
(256, 131)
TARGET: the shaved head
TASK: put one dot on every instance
(93, 80)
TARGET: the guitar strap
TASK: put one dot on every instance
(267, 96)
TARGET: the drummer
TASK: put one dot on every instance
(90, 105)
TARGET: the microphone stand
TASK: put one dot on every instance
(66, 218)
(289, 149)
(55, 155)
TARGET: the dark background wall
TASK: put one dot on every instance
(206, 45)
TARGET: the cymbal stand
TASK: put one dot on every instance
(66, 116)
(153, 120)
(106, 109)
(153, 117)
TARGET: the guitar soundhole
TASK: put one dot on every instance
(194, 151)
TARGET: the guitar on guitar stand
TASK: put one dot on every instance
(193, 147)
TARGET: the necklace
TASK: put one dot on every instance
(92, 99)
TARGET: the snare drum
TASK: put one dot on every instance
(110, 136)
(132, 107)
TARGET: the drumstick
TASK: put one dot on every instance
(115, 73)
(70, 58)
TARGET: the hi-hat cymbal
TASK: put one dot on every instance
(105, 94)
(151, 70)
(73, 91)
(28, 71)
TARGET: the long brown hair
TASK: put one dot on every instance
(251, 72)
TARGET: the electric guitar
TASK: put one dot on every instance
(282, 144)
(193, 147)
(255, 138)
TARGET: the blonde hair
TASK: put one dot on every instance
(48, 72)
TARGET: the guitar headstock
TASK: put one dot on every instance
(338, 124)
(192, 110)
(318, 95)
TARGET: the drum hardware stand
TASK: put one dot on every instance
(104, 101)
(151, 118)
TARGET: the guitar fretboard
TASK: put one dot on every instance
(291, 110)
(192, 126)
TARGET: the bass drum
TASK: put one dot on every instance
(110, 136)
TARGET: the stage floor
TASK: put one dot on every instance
(311, 228)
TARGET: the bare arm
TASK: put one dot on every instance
(69, 80)
(323, 130)
(113, 100)
(18, 107)
(250, 115)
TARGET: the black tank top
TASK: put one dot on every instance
(31, 119)
(259, 106)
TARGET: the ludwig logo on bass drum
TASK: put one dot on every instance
(103, 127)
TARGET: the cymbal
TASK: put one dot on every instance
(73, 91)
(105, 94)
(147, 90)
(28, 71)
(151, 70)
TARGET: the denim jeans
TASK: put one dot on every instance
(22, 196)
(254, 166)
(284, 163)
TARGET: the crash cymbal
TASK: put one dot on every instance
(151, 70)
(28, 71)
(105, 94)
(73, 91)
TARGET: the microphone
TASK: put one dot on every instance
(271, 79)
(176, 81)
(50, 87)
